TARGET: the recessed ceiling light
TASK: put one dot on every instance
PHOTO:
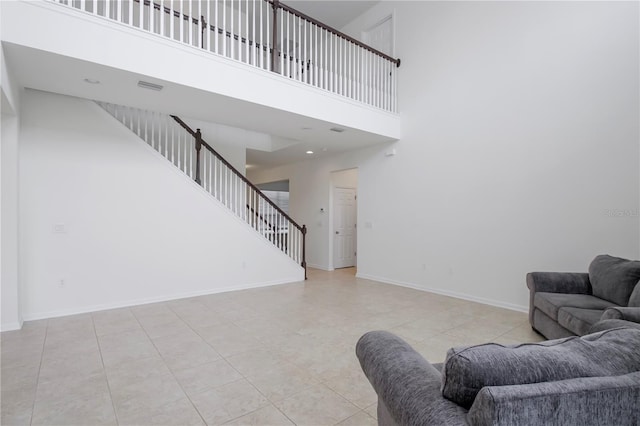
(91, 81)
(151, 86)
(309, 152)
(337, 129)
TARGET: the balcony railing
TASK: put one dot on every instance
(266, 34)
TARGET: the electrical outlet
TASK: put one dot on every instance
(61, 283)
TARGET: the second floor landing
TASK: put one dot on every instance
(67, 49)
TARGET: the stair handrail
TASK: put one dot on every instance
(199, 141)
(237, 173)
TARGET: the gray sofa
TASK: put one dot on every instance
(590, 380)
(565, 304)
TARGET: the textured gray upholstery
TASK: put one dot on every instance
(628, 313)
(467, 370)
(608, 324)
(577, 320)
(567, 303)
(405, 381)
(408, 387)
(614, 278)
(550, 303)
(548, 327)
(591, 401)
(634, 299)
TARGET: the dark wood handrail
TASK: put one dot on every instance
(340, 34)
(234, 170)
(275, 4)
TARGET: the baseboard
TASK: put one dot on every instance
(146, 301)
(491, 302)
(10, 326)
(321, 267)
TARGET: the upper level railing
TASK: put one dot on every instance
(266, 34)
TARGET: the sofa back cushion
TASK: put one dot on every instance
(613, 278)
(634, 299)
(608, 353)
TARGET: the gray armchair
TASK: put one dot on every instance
(590, 380)
(563, 304)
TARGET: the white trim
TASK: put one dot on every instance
(10, 326)
(491, 302)
(145, 301)
(321, 267)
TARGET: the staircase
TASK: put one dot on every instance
(186, 149)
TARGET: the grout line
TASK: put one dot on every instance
(35, 394)
(104, 370)
(165, 363)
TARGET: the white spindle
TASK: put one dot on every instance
(200, 24)
(181, 21)
(254, 39)
(171, 20)
(216, 25)
(189, 22)
(152, 16)
(247, 33)
(282, 26)
(141, 17)
(268, 37)
(261, 51)
(161, 18)
(233, 42)
(224, 27)
(208, 26)
(286, 48)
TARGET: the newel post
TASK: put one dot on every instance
(198, 147)
(274, 34)
(304, 250)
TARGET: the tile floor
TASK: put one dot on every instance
(279, 355)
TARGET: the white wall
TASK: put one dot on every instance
(135, 228)
(520, 148)
(11, 313)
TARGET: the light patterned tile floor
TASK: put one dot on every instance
(278, 355)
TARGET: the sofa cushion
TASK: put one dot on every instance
(578, 320)
(634, 299)
(469, 369)
(614, 278)
(550, 303)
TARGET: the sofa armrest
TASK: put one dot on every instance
(586, 401)
(608, 324)
(406, 383)
(627, 313)
(559, 282)
(556, 282)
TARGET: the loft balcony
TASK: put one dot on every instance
(258, 65)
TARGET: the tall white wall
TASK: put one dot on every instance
(11, 313)
(520, 148)
(106, 221)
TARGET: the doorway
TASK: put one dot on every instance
(344, 212)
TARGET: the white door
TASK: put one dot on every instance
(344, 227)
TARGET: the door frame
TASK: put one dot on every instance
(330, 231)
